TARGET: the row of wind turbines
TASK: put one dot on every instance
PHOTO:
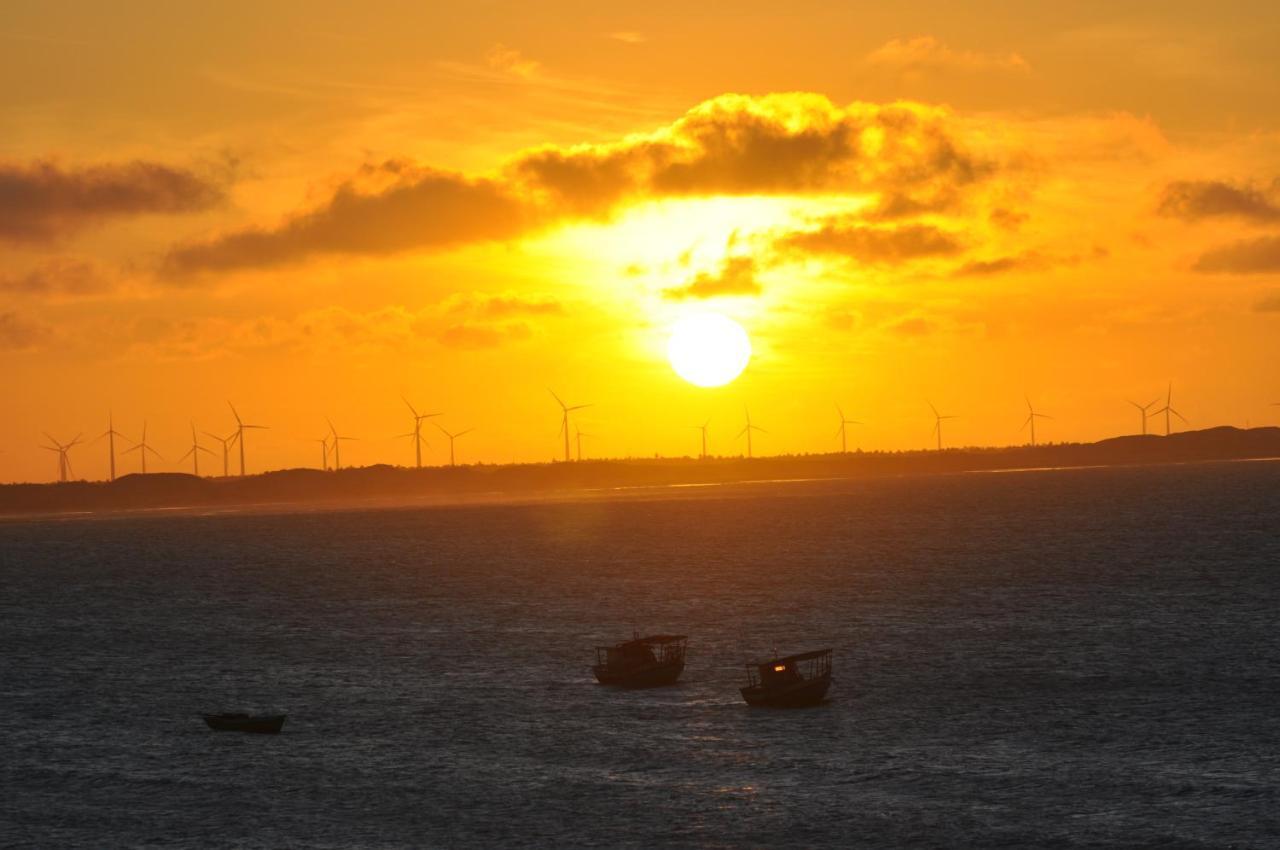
(331, 443)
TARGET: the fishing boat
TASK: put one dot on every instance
(642, 662)
(262, 724)
(792, 681)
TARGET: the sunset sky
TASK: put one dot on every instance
(311, 209)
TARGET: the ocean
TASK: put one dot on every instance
(1072, 658)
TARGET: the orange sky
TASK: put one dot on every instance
(311, 211)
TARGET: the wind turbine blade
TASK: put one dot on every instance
(51, 449)
(934, 409)
(1025, 424)
(841, 412)
(1029, 407)
(215, 436)
(576, 407)
(758, 428)
(468, 431)
(1179, 415)
(206, 451)
(410, 406)
(233, 412)
(743, 431)
(556, 397)
(839, 431)
(189, 453)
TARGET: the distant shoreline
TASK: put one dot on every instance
(386, 486)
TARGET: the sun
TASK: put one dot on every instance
(708, 349)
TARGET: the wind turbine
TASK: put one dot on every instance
(937, 423)
(142, 448)
(564, 421)
(453, 437)
(337, 449)
(240, 429)
(194, 452)
(1032, 416)
(844, 445)
(111, 433)
(64, 461)
(1142, 408)
(749, 428)
(703, 429)
(227, 442)
(1168, 409)
(579, 434)
(324, 453)
(418, 439)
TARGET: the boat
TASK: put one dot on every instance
(262, 724)
(791, 681)
(642, 662)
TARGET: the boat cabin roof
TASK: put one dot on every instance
(651, 639)
(803, 656)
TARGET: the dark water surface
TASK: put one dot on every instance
(1076, 658)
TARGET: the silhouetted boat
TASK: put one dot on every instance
(263, 724)
(793, 681)
(642, 662)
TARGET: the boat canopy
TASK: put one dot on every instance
(788, 659)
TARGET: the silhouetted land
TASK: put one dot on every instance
(391, 484)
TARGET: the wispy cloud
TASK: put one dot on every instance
(928, 54)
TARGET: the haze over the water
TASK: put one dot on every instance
(316, 213)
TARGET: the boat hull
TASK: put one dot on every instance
(797, 695)
(268, 725)
(650, 676)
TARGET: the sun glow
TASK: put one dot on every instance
(708, 349)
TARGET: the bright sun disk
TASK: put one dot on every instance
(708, 349)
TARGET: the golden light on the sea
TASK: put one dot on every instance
(708, 349)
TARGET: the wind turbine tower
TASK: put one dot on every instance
(564, 420)
(240, 429)
(226, 449)
(111, 433)
(142, 448)
(324, 453)
(453, 437)
(337, 448)
(1142, 409)
(1167, 410)
(703, 429)
(841, 433)
(937, 423)
(1032, 416)
(194, 452)
(748, 429)
(64, 461)
(418, 439)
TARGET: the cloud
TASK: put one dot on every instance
(468, 335)
(927, 53)
(1194, 200)
(866, 244)
(780, 144)
(57, 277)
(913, 326)
(510, 61)
(419, 210)
(628, 37)
(1031, 260)
(44, 201)
(1250, 256)
(18, 333)
(736, 276)
(503, 306)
